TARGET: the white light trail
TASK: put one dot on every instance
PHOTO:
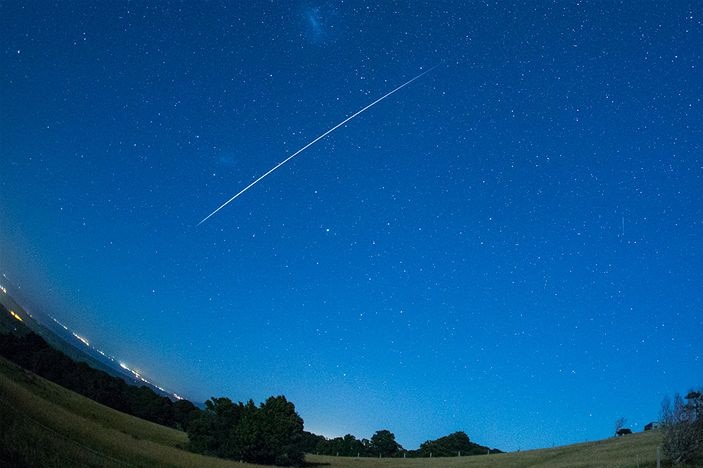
(261, 177)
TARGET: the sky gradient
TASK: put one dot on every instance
(511, 246)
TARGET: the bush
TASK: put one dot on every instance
(269, 434)
(682, 424)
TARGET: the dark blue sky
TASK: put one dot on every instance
(510, 246)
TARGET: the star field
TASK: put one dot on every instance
(509, 246)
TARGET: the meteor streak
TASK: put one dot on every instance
(263, 176)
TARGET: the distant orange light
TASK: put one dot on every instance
(12, 312)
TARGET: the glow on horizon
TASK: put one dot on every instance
(60, 324)
(124, 366)
(81, 339)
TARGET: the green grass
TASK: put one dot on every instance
(43, 424)
(629, 451)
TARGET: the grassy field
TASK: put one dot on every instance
(45, 425)
(42, 424)
(637, 450)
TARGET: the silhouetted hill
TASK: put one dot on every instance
(32, 352)
(63, 341)
(10, 325)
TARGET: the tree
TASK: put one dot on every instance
(347, 446)
(383, 443)
(203, 435)
(146, 404)
(33, 353)
(312, 443)
(269, 434)
(184, 412)
(245, 442)
(682, 423)
(210, 432)
(281, 430)
(619, 424)
(450, 446)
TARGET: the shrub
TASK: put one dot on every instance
(682, 423)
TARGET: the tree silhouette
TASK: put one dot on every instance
(682, 422)
(619, 424)
(269, 434)
(383, 443)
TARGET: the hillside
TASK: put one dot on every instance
(63, 341)
(46, 425)
(9, 324)
(637, 450)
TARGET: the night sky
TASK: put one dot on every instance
(511, 245)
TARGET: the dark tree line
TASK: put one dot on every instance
(271, 433)
(456, 444)
(33, 353)
(383, 444)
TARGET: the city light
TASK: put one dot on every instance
(124, 366)
(81, 339)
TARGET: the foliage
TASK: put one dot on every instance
(59, 428)
(347, 446)
(640, 448)
(45, 425)
(33, 353)
(184, 412)
(456, 444)
(383, 444)
(269, 434)
(313, 443)
(682, 422)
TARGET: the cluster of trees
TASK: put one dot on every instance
(456, 444)
(682, 422)
(33, 353)
(271, 433)
(383, 444)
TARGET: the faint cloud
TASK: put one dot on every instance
(312, 15)
(319, 23)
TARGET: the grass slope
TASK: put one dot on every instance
(45, 425)
(636, 450)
